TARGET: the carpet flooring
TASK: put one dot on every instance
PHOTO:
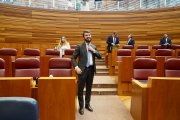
(105, 107)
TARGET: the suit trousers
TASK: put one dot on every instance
(85, 78)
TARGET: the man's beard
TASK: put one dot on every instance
(88, 40)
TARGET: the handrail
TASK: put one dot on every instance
(92, 5)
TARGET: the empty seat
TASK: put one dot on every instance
(143, 52)
(142, 47)
(68, 52)
(27, 67)
(157, 47)
(18, 108)
(60, 67)
(31, 52)
(123, 52)
(52, 52)
(127, 47)
(163, 52)
(8, 52)
(144, 68)
(73, 46)
(178, 53)
(2, 67)
(172, 67)
(175, 46)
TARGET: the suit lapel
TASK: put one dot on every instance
(84, 49)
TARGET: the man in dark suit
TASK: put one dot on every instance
(165, 41)
(130, 40)
(85, 68)
(112, 40)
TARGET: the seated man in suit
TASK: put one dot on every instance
(112, 41)
(165, 41)
(130, 40)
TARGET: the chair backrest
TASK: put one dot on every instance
(52, 52)
(2, 68)
(178, 53)
(157, 47)
(8, 52)
(123, 52)
(73, 46)
(60, 67)
(68, 52)
(127, 47)
(172, 67)
(144, 68)
(18, 108)
(31, 52)
(143, 52)
(163, 52)
(27, 67)
(142, 47)
(175, 46)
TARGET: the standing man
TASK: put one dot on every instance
(165, 41)
(112, 40)
(85, 68)
(130, 40)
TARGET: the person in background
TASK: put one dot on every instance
(98, 4)
(165, 41)
(130, 40)
(63, 44)
(70, 5)
(112, 40)
(85, 5)
(85, 67)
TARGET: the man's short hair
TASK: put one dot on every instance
(86, 31)
(115, 33)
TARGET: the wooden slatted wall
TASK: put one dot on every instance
(22, 27)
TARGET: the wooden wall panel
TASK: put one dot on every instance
(42, 26)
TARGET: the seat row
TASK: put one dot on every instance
(173, 46)
(31, 67)
(117, 54)
(35, 52)
(141, 68)
(146, 52)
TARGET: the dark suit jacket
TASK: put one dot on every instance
(81, 53)
(109, 41)
(163, 41)
(131, 42)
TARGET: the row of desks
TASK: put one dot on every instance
(112, 58)
(56, 96)
(44, 65)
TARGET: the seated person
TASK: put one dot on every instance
(165, 41)
(130, 40)
(112, 41)
(63, 44)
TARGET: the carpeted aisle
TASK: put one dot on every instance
(106, 107)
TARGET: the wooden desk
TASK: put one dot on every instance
(15, 86)
(125, 73)
(56, 98)
(156, 100)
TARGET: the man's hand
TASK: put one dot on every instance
(91, 49)
(112, 44)
(78, 70)
(117, 45)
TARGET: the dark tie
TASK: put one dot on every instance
(89, 61)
